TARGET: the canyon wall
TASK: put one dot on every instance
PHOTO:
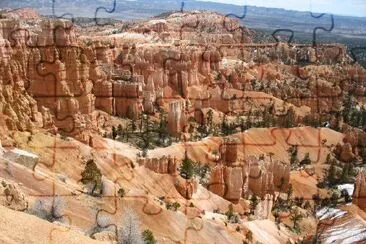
(70, 77)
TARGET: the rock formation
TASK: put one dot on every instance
(164, 165)
(359, 193)
(252, 176)
(186, 188)
(11, 196)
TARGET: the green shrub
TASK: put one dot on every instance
(231, 215)
(121, 192)
(172, 206)
(148, 237)
(92, 175)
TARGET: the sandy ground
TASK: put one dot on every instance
(18, 227)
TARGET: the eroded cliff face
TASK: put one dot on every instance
(171, 59)
(359, 193)
(163, 165)
(45, 70)
(251, 176)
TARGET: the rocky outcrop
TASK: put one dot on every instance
(11, 196)
(22, 13)
(344, 152)
(106, 236)
(176, 117)
(179, 72)
(186, 188)
(21, 157)
(260, 177)
(163, 165)
(359, 193)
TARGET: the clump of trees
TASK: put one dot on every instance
(188, 169)
(325, 202)
(144, 132)
(172, 206)
(92, 178)
(338, 173)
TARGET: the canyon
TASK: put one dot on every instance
(258, 125)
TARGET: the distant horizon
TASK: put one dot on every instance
(352, 8)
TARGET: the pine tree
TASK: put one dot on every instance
(146, 135)
(226, 128)
(210, 120)
(148, 237)
(293, 154)
(92, 175)
(163, 127)
(348, 104)
(345, 173)
(119, 130)
(327, 160)
(114, 132)
(290, 118)
(306, 159)
(331, 178)
(230, 213)
(334, 199)
(253, 203)
(295, 218)
(187, 167)
(290, 190)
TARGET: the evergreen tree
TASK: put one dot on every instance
(210, 120)
(253, 203)
(293, 154)
(290, 118)
(187, 167)
(306, 159)
(276, 215)
(334, 199)
(295, 218)
(348, 104)
(132, 125)
(163, 127)
(226, 128)
(327, 160)
(146, 135)
(230, 213)
(345, 173)
(290, 190)
(114, 133)
(119, 130)
(331, 178)
(249, 235)
(148, 237)
(92, 175)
